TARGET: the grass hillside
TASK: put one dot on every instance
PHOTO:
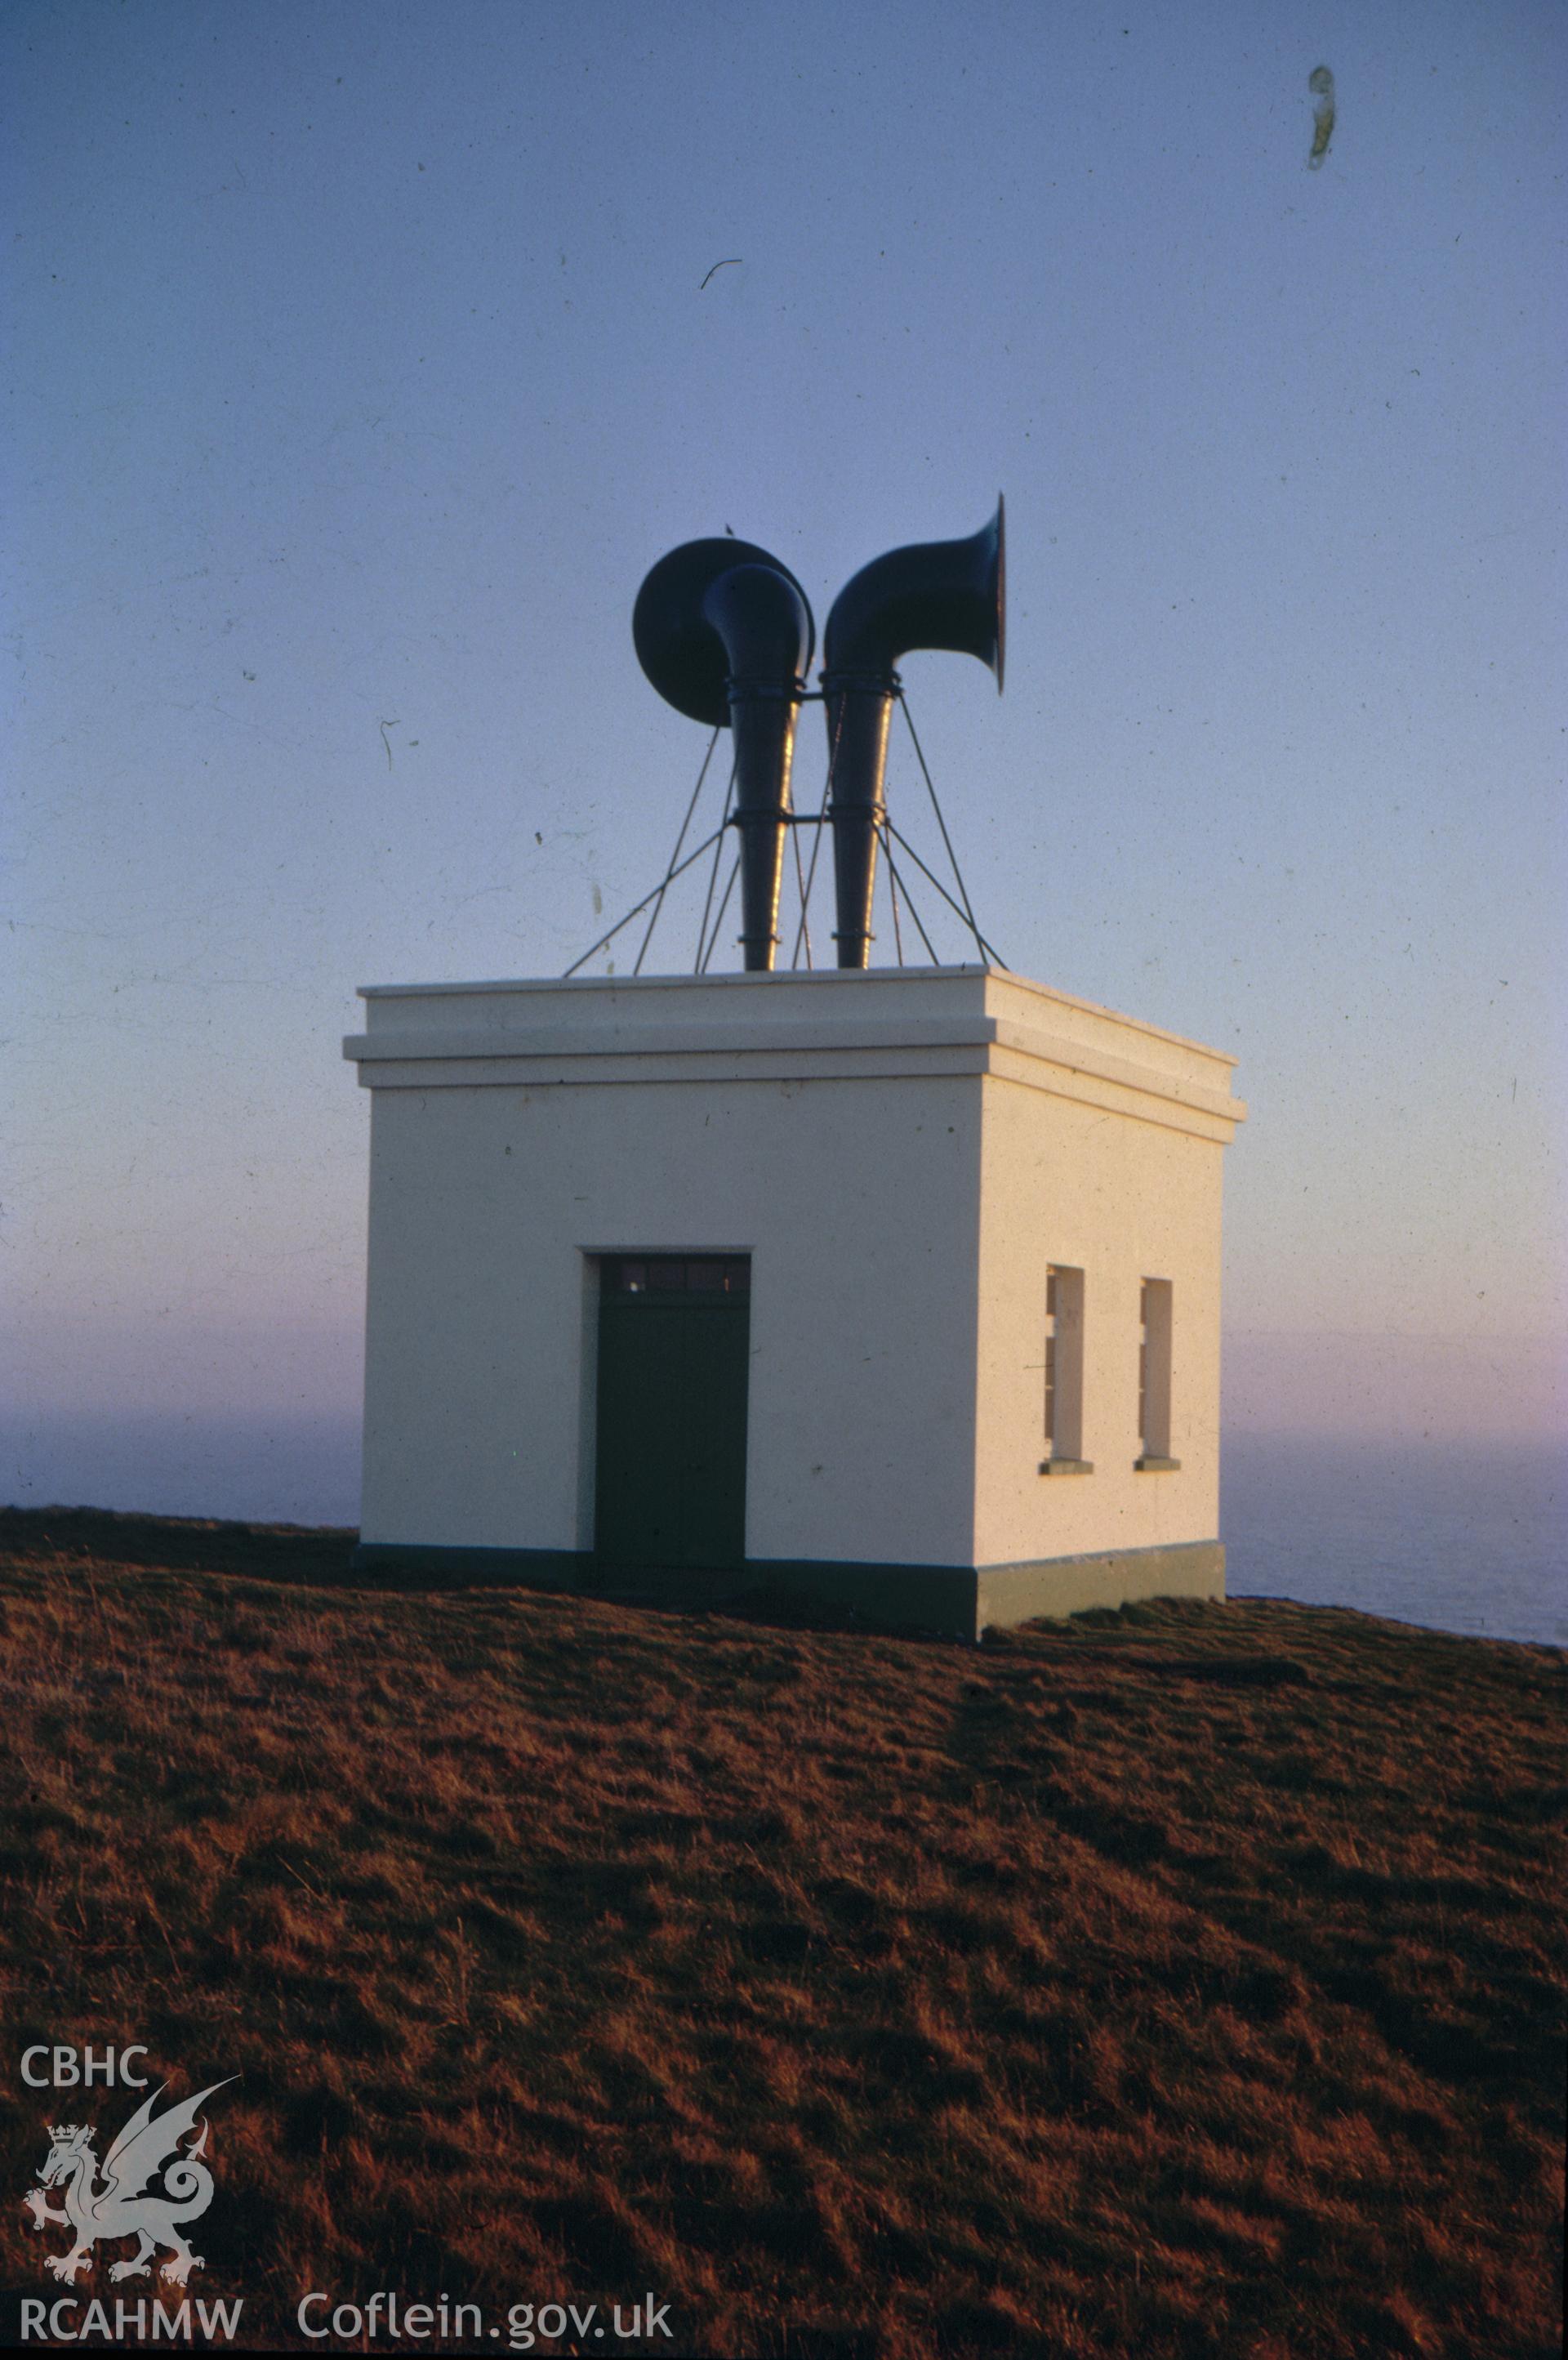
(1187, 1981)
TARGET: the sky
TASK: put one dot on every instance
(362, 358)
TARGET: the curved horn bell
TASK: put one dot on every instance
(935, 593)
(725, 633)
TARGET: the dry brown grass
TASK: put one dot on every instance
(1183, 1982)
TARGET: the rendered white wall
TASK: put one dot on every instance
(856, 1201)
(1123, 1199)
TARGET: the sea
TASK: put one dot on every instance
(1470, 1538)
(1462, 1537)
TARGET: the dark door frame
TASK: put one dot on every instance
(670, 1403)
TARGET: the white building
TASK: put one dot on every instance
(901, 1287)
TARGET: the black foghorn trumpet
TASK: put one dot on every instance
(725, 633)
(935, 593)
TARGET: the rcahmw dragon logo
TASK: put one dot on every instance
(117, 2207)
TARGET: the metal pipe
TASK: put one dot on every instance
(935, 594)
(725, 633)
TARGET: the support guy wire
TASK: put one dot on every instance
(800, 881)
(710, 925)
(987, 949)
(893, 879)
(675, 856)
(639, 906)
(893, 900)
(717, 842)
(817, 843)
(966, 913)
(718, 922)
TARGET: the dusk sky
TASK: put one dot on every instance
(361, 364)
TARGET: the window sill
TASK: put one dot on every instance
(1155, 1465)
(1066, 1466)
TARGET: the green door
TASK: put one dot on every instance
(674, 1352)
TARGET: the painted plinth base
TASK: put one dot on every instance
(962, 1602)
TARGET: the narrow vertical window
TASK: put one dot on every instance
(1154, 1376)
(1063, 1373)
